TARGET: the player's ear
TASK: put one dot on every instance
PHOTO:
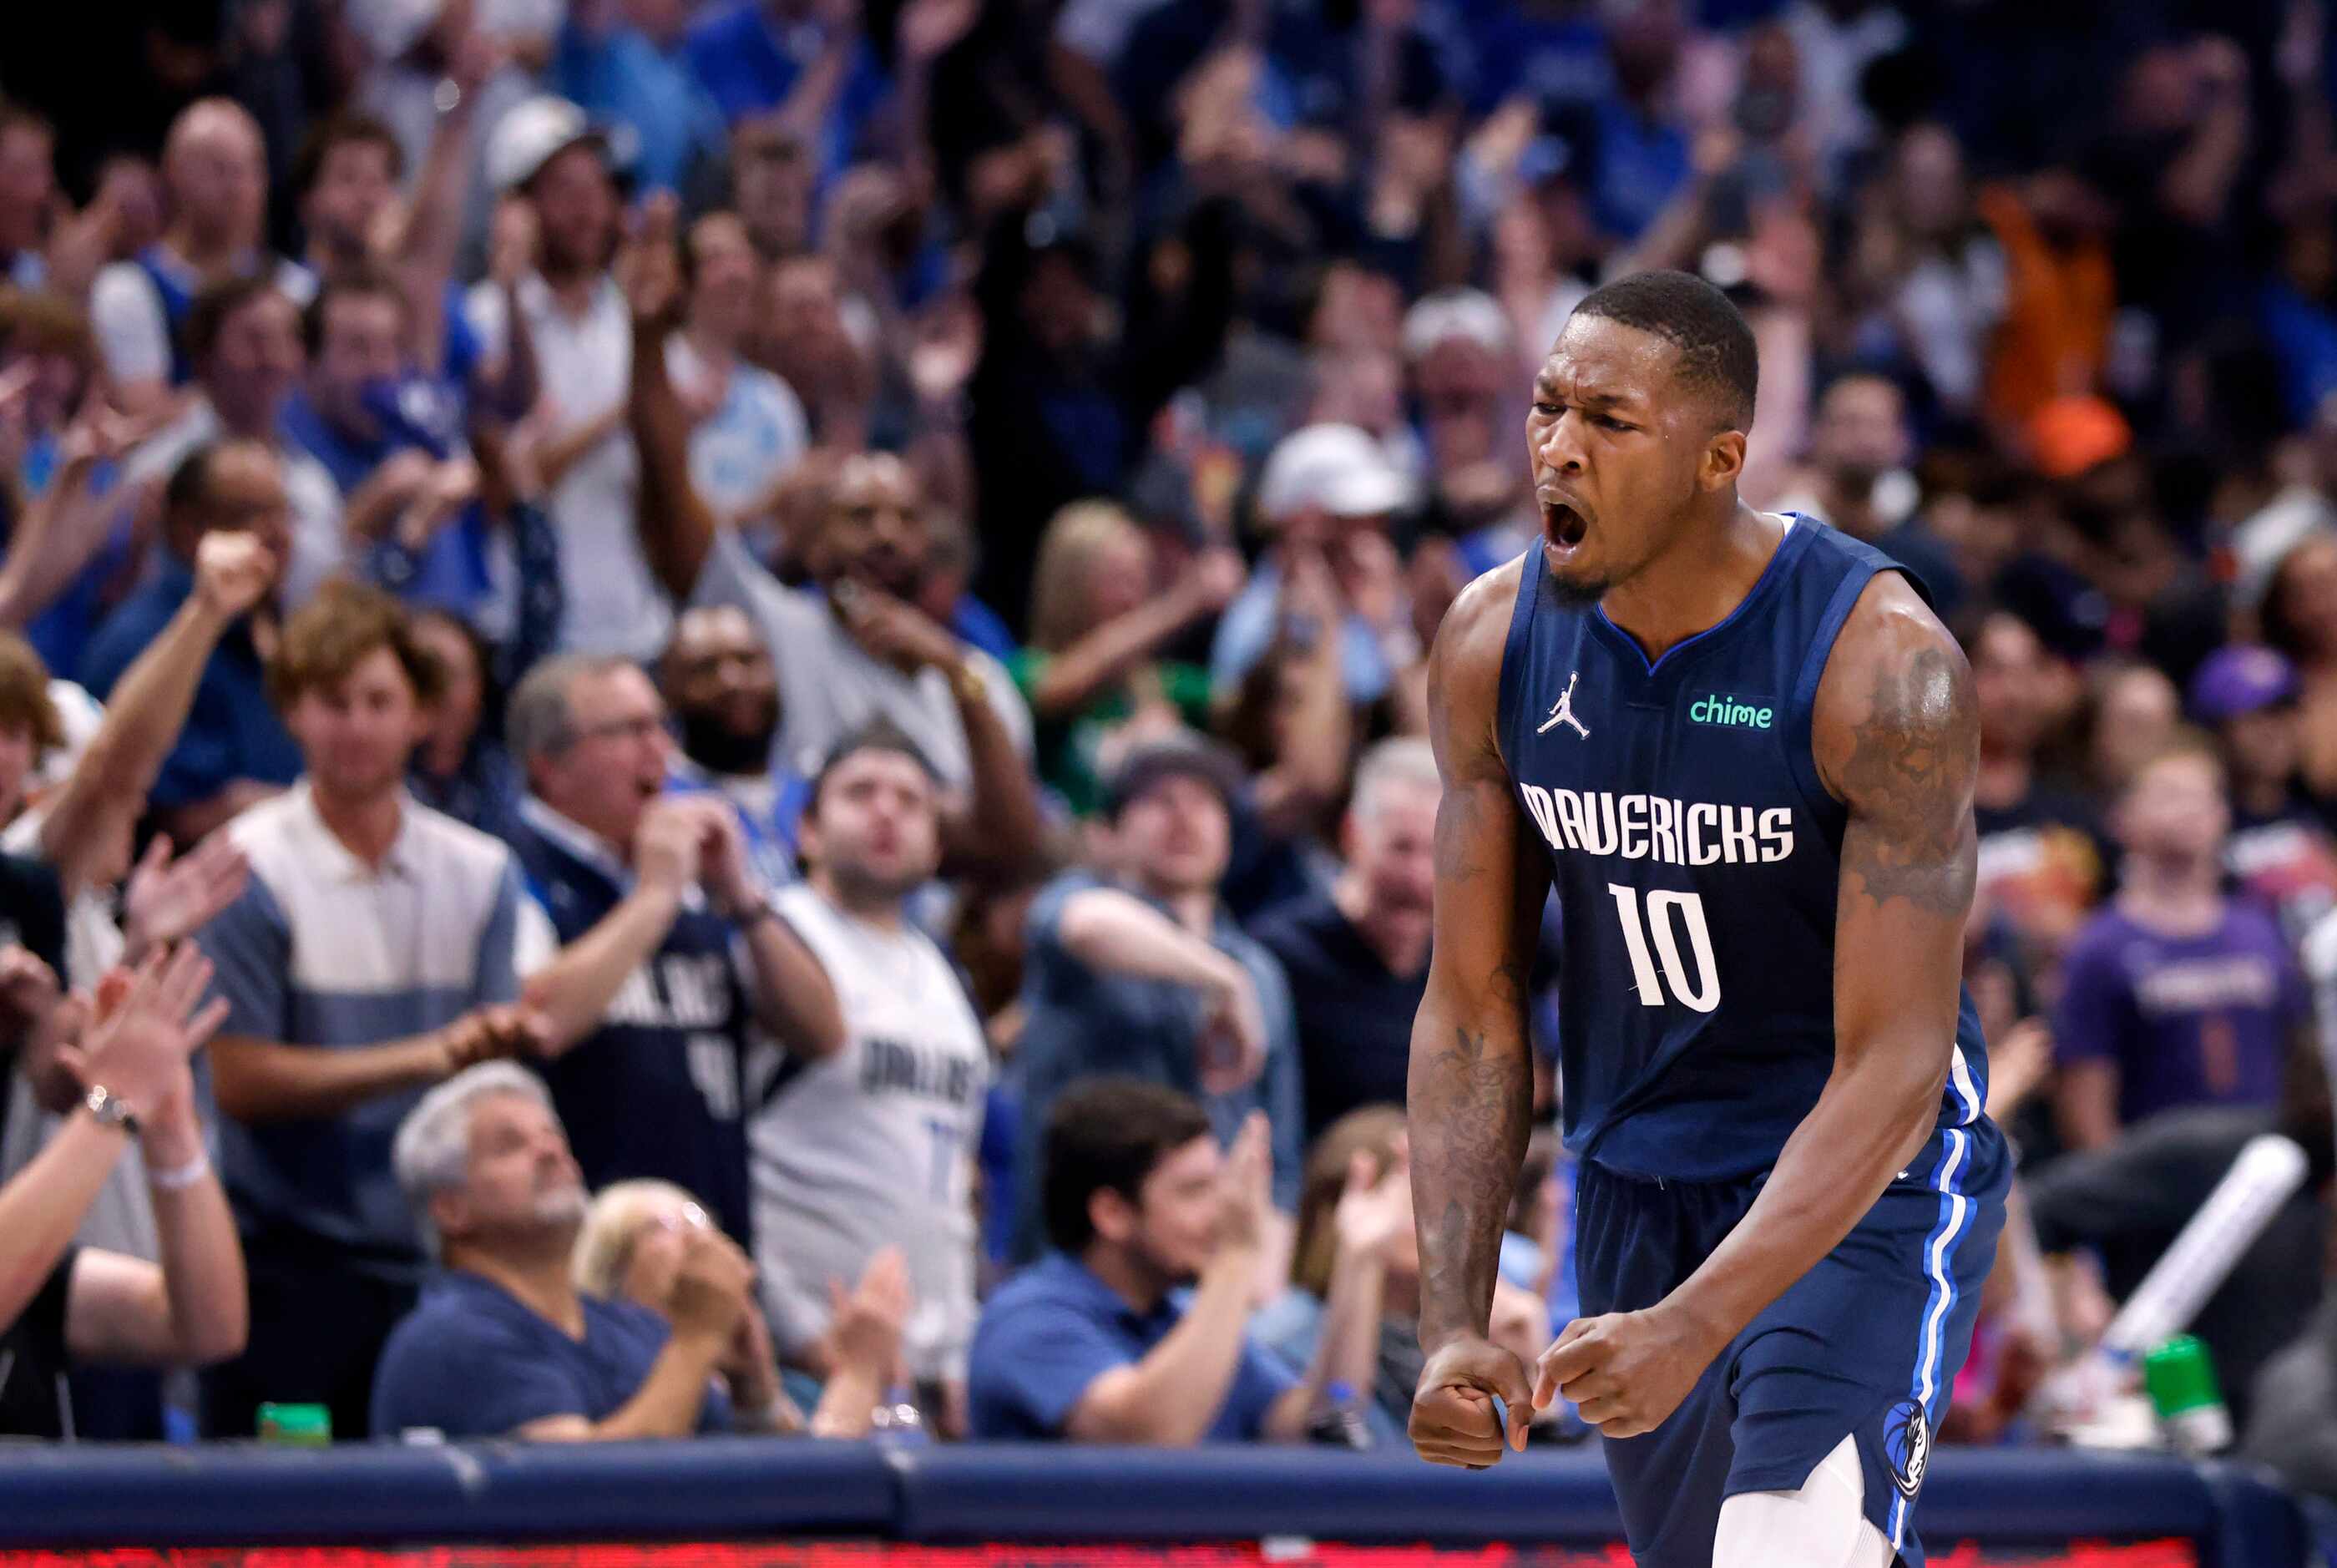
(1723, 460)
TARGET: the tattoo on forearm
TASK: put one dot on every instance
(1469, 1108)
(1907, 776)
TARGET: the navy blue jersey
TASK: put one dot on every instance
(1696, 855)
(657, 1089)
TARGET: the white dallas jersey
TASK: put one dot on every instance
(874, 1146)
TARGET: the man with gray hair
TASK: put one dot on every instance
(1357, 956)
(502, 1344)
(669, 947)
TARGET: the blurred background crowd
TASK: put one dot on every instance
(711, 713)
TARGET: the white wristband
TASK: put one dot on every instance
(179, 1178)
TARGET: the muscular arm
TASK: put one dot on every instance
(1897, 737)
(1470, 1089)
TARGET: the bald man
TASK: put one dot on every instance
(724, 696)
(855, 649)
(215, 174)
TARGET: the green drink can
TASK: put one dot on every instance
(2181, 1377)
(295, 1425)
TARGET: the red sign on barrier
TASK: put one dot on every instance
(1098, 1554)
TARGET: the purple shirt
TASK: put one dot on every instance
(2187, 1020)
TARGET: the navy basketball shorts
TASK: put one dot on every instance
(1865, 1346)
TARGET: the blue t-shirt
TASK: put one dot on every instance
(474, 1361)
(2186, 1020)
(1054, 1329)
(619, 76)
(1084, 1023)
(748, 70)
(231, 732)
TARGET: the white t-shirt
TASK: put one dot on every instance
(133, 328)
(585, 363)
(828, 685)
(874, 1146)
(756, 434)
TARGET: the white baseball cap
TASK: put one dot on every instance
(1334, 468)
(1448, 313)
(530, 135)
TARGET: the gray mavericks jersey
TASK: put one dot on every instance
(874, 1146)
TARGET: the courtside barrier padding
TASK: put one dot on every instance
(764, 1488)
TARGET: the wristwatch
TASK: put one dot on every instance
(966, 681)
(108, 1109)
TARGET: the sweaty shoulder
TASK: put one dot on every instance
(1465, 669)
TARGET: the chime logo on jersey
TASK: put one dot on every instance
(1659, 827)
(1730, 712)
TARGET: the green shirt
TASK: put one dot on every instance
(1068, 749)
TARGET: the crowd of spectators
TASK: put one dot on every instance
(711, 711)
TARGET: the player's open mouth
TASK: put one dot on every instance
(1562, 525)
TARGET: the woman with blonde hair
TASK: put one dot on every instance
(631, 1248)
(1354, 1213)
(1092, 673)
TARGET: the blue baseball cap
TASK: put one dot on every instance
(2241, 680)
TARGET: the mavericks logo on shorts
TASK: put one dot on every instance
(1907, 1445)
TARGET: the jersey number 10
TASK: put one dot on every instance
(1663, 910)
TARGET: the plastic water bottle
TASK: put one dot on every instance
(1341, 1424)
(898, 1419)
(2181, 1377)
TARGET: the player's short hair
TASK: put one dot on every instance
(335, 633)
(1716, 345)
(879, 735)
(1107, 1136)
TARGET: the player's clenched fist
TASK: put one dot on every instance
(1625, 1372)
(1453, 1421)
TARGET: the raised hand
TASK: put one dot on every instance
(894, 631)
(649, 266)
(1233, 1038)
(166, 902)
(667, 844)
(1373, 1216)
(927, 28)
(1245, 1186)
(1215, 579)
(711, 1288)
(234, 571)
(28, 989)
(865, 1327)
(149, 1030)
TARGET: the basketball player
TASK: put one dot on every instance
(1741, 748)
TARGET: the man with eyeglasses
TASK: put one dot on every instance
(669, 950)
